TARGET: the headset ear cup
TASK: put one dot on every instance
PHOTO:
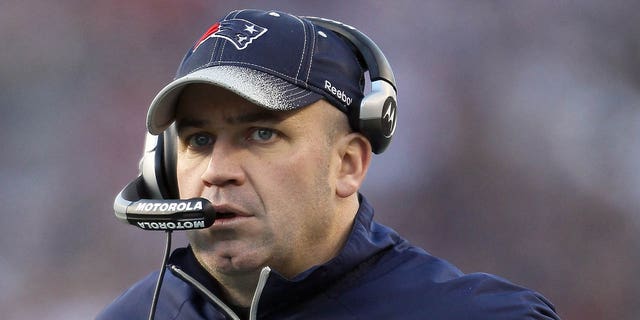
(158, 165)
(378, 115)
(159, 180)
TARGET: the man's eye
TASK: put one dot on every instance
(200, 140)
(262, 134)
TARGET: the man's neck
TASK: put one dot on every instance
(237, 290)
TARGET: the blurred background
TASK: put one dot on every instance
(516, 153)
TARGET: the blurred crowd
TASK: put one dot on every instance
(516, 151)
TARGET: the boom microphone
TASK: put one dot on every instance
(162, 215)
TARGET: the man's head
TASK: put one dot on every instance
(267, 119)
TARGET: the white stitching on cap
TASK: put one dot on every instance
(215, 46)
(224, 43)
(304, 49)
(313, 44)
(237, 13)
(300, 94)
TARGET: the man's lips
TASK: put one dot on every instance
(227, 213)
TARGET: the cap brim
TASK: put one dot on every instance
(263, 89)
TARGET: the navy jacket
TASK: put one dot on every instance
(377, 275)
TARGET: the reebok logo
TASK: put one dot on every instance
(337, 93)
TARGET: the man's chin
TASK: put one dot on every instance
(236, 262)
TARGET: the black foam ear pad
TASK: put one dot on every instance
(377, 116)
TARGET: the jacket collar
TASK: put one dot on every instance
(365, 240)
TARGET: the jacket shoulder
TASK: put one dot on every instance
(177, 299)
(132, 303)
(486, 296)
(422, 284)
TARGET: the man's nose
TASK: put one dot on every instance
(224, 168)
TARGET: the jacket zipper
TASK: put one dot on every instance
(187, 278)
(262, 282)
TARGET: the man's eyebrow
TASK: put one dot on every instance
(251, 117)
(258, 116)
(182, 124)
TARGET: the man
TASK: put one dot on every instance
(268, 126)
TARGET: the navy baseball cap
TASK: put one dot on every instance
(274, 59)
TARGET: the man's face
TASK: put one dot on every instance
(269, 174)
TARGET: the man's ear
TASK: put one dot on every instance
(355, 157)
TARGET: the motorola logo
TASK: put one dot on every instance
(389, 117)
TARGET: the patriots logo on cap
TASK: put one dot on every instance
(239, 31)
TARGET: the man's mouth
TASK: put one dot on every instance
(225, 215)
(228, 214)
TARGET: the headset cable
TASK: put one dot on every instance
(156, 292)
